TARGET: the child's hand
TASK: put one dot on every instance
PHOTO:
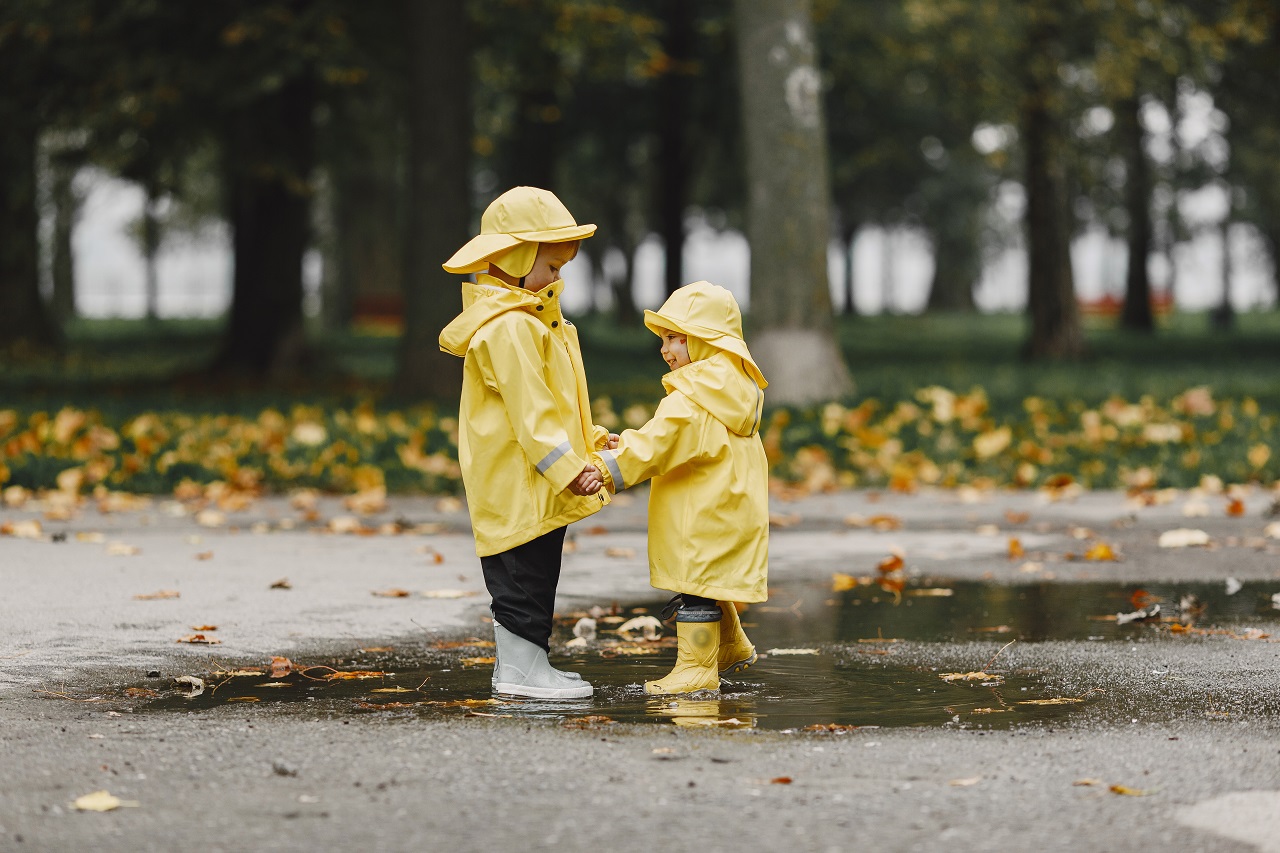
(613, 441)
(588, 482)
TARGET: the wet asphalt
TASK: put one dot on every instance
(1175, 742)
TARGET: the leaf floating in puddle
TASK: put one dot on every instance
(479, 661)
(781, 652)
(102, 801)
(244, 699)
(834, 728)
(970, 676)
(989, 711)
(396, 689)
(140, 693)
(275, 684)
(193, 684)
(384, 706)
(463, 703)
(1146, 614)
(355, 675)
(281, 667)
(588, 722)
(931, 592)
(707, 722)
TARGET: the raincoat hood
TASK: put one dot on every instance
(721, 386)
(483, 300)
(521, 215)
(710, 313)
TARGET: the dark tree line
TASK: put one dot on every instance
(390, 126)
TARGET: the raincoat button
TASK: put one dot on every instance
(551, 293)
(540, 307)
(555, 323)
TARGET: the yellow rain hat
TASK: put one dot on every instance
(519, 215)
(709, 312)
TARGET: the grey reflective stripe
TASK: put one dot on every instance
(552, 457)
(614, 471)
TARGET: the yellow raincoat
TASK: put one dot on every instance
(524, 426)
(709, 502)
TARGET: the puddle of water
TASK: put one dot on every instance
(843, 685)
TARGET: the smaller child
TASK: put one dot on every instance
(709, 502)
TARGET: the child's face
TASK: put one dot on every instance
(675, 349)
(547, 265)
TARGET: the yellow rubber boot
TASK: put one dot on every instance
(736, 651)
(697, 641)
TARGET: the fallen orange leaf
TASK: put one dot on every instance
(392, 593)
(158, 594)
(281, 667)
(198, 639)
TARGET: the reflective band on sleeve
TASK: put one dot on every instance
(614, 471)
(553, 457)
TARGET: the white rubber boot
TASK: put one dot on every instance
(522, 669)
(493, 682)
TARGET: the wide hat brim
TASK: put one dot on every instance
(720, 340)
(474, 256)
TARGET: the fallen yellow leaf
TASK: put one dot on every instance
(102, 801)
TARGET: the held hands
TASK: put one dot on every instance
(613, 441)
(588, 482)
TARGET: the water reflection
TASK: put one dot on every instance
(827, 662)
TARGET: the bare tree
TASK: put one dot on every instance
(788, 202)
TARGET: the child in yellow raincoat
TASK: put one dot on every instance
(524, 426)
(709, 502)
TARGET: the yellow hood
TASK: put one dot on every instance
(721, 385)
(483, 300)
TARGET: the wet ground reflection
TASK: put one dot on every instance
(824, 662)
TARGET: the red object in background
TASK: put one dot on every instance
(1111, 306)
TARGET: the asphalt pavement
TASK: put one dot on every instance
(1179, 747)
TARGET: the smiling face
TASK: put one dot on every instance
(675, 349)
(547, 265)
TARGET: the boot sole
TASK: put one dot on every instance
(739, 666)
(529, 692)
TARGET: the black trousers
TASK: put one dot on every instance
(522, 583)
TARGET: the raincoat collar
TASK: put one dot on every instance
(489, 297)
(722, 385)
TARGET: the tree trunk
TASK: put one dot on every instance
(150, 249)
(1056, 330)
(788, 203)
(25, 321)
(439, 198)
(848, 233)
(1223, 317)
(673, 152)
(270, 159)
(367, 229)
(66, 212)
(957, 261)
(1137, 314)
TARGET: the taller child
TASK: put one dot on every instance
(524, 426)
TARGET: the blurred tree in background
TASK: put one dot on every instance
(376, 133)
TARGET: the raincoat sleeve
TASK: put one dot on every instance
(599, 437)
(672, 438)
(516, 364)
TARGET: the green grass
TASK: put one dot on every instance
(124, 364)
